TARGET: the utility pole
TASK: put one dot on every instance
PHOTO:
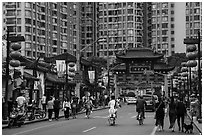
(199, 78)
(7, 76)
(108, 85)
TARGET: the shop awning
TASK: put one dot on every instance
(29, 76)
(55, 79)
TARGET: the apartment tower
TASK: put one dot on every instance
(122, 26)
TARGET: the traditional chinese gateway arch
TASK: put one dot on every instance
(142, 71)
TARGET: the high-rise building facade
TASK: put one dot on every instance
(193, 18)
(88, 28)
(172, 22)
(194, 23)
(52, 28)
(164, 27)
(123, 25)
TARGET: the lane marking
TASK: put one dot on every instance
(154, 130)
(89, 129)
(134, 116)
(100, 117)
(37, 128)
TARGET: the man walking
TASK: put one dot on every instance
(181, 112)
(44, 103)
(56, 108)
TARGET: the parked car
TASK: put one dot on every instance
(131, 100)
(150, 100)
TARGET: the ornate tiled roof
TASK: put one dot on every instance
(157, 67)
(139, 53)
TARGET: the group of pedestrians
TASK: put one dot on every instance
(53, 104)
(175, 109)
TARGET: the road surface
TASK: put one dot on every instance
(126, 124)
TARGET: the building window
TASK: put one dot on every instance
(130, 18)
(164, 5)
(172, 39)
(54, 42)
(172, 32)
(164, 39)
(164, 25)
(28, 5)
(197, 17)
(54, 49)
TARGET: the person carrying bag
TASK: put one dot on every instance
(159, 114)
(66, 108)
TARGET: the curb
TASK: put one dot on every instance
(46, 119)
(195, 124)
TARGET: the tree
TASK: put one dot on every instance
(99, 61)
(176, 59)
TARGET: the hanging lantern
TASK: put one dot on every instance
(192, 55)
(15, 55)
(72, 70)
(190, 48)
(184, 69)
(184, 74)
(183, 64)
(71, 64)
(15, 63)
(71, 75)
(16, 46)
(179, 79)
(191, 63)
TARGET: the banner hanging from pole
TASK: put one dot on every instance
(61, 67)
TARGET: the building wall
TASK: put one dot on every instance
(48, 27)
(180, 28)
(122, 27)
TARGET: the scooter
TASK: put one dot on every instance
(16, 118)
(140, 118)
(112, 119)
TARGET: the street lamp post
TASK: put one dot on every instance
(78, 61)
(199, 78)
(9, 40)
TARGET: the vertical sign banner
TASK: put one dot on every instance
(61, 67)
(91, 76)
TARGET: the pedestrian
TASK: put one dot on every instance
(74, 105)
(56, 108)
(140, 106)
(172, 113)
(10, 106)
(66, 107)
(21, 102)
(160, 113)
(50, 107)
(43, 102)
(181, 112)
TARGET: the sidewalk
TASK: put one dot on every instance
(61, 114)
(168, 131)
(195, 122)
